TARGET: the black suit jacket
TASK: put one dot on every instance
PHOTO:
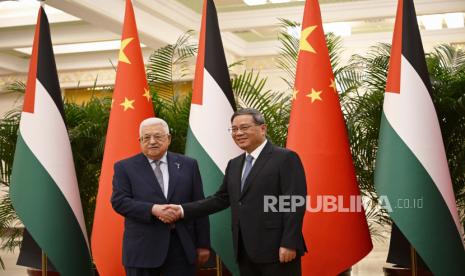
(135, 190)
(277, 171)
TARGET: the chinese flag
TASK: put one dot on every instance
(336, 238)
(131, 104)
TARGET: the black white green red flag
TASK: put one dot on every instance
(411, 164)
(44, 189)
(208, 140)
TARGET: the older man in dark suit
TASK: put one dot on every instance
(140, 185)
(265, 243)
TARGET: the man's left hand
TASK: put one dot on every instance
(286, 254)
(203, 254)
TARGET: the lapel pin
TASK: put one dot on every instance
(177, 165)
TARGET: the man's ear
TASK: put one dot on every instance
(264, 127)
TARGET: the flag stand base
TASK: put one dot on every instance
(390, 270)
(38, 272)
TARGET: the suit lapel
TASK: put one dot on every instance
(257, 166)
(174, 165)
(146, 172)
(236, 172)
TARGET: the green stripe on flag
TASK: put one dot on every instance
(430, 227)
(47, 215)
(212, 178)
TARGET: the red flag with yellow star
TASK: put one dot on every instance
(335, 227)
(131, 104)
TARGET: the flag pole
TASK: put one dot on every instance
(44, 264)
(219, 268)
(413, 258)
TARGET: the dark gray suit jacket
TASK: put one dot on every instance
(277, 171)
(135, 190)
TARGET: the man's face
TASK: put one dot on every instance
(246, 133)
(154, 141)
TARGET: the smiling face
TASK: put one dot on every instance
(246, 133)
(154, 141)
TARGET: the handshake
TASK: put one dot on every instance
(167, 213)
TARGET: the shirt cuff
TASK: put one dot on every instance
(182, 211)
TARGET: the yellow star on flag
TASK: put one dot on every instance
(304, 44)
(315, 95)
(333, 85)
(147, 94)
(294, 94)
(122, 56)
(127, 104)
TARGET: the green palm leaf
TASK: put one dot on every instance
(169, 64)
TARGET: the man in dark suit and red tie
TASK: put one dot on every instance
(265, 243)
(141, 184)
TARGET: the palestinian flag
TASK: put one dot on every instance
(208, 140)
(411, 166)
(317, 132)
(44, 189)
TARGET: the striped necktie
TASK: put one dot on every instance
(248, 167)
(159, 175)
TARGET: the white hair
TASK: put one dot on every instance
(153, 121)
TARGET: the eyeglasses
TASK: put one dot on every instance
(242, 128)
(157, 137)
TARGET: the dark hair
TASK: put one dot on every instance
(256, 115)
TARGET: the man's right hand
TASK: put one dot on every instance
(167, 213)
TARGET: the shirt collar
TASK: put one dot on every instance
(163, 159)
(256, 152)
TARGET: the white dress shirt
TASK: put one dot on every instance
(255, 153)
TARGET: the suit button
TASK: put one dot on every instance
(240, 203)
